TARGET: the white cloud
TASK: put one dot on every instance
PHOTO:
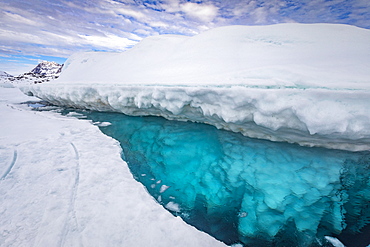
(9, 36)
(159, 24)
(202, 12)
(260, 15)
(16, 68)
(254, 12)
(171, 6)
(112, 41)
(20, 19)
(142, 32)
(244, 8)
(80, 28)
(139, 15)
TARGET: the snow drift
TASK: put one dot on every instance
(302, 83)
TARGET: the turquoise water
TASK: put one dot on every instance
(242, 190)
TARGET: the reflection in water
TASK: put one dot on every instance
(238, 189)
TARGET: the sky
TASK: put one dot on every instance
(37, 30)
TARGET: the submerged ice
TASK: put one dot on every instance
(244, 190)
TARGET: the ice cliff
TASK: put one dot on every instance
(300, 83)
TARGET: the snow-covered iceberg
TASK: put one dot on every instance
(299, 83)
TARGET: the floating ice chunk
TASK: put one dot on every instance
(163, 188)
(36, 105)
(75, 114)
(242, 214)
(172, 206)
(334, 241)
(237, 245)
(102, 124)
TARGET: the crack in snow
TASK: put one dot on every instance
(71, 224)
(10, 166)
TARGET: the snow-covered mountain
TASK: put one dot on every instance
(3, 74)
(46, 68)
(5, 79)
(43, 72)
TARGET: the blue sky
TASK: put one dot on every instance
(35, 30)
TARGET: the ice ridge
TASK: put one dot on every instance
(310, 117)
(302, 83)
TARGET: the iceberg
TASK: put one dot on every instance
(297, 83)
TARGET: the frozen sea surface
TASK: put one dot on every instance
(245, 190)
(63, 183)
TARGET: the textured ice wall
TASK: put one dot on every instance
(303, 83)
(226, 184)
(311, 117)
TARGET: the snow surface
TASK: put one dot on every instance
(301, 83)
(63, 183)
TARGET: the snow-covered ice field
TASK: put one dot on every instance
(63, 183)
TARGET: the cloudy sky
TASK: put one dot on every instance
(36, 30)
